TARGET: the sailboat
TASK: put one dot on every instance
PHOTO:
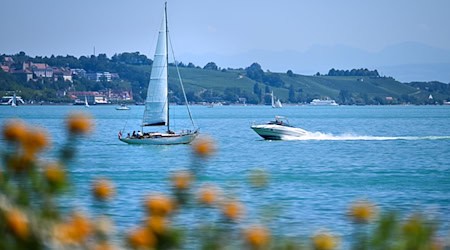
(86, 104)
(277, 103)
(14, 100)
(156, 111)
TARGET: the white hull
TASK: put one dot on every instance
(122, 108)
(318, 102)
(162, 139)
(277, 132)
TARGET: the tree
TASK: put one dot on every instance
(211, 66)
(292, 97)
(257, 91)
(255, 72)
(345, 96)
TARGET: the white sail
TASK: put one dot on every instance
(156, 104)
(14, 101)
(275, 104)
(86, 104)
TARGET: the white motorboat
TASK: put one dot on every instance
(156, 112)
(123, 107)
(279, 129)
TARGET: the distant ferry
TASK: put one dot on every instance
(327, 102)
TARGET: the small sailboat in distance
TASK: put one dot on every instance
(14, 100)
(277, 103)
(156, 111)
(86, 104)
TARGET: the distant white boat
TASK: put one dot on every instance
(278, 129)
(277, 103)
(123, 107)
(86, 104)
(12, 101)
(326, 102)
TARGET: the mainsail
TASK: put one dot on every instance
(156, 104)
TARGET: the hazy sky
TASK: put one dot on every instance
(231, 27)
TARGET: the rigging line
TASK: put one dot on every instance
(126, 121)
(181, 83)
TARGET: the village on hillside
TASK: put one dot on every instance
(34, 72)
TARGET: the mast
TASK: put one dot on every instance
(167, 65)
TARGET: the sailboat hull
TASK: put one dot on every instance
(162, 139)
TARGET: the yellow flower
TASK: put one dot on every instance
(18, 223)
(362, 211)
(54, 174)
(81, 226)
(207, 195)
(181, 180)
(157, 224)
(257, 236)
(141, 238)
(324, 241)
(203, 147)
(78, 123)
(103, 189)
(14, 130)
(232, 210)
(159, 205)
(34, 141)
(74, 231)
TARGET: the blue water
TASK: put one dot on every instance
(396, 156)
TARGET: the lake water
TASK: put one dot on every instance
(396, 156)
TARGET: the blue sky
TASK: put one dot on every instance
(208, 30)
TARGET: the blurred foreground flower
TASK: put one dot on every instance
(141, 238)
(257, 237)
(74, 231)
(103, 189)
(362, 211)
(324, 241)
(207, 195)
(18, 223)
(79, 123)
(203, 147)
(157, 224)
(232, 210)
(181, 180)
(159, 205)
(14, 130)
(35, 140)
(54, 174)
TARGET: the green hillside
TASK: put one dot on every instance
(344, 89)
(212, 84)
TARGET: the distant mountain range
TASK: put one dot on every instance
(406, 62)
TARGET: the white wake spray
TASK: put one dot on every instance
(318, 136)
